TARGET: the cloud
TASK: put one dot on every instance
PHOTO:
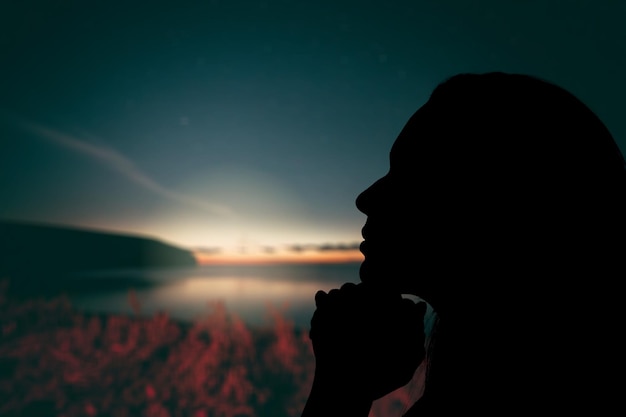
(338, 247)
(326, 247)
(124, 166)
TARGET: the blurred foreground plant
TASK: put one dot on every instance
(56, 361)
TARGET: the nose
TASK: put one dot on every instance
(366, 199)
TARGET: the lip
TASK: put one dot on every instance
(365, 231)
(363, 247)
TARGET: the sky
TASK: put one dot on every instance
(250, 127)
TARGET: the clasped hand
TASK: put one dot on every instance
(366, 340)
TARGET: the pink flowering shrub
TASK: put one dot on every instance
(56, 361)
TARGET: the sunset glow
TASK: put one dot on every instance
(234, 258)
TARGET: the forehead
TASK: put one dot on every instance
(417, 139)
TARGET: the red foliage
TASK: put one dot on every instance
(56, 361)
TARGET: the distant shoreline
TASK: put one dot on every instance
(30, 248)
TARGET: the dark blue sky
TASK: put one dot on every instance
(222, 123)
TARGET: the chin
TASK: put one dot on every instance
(376, 274)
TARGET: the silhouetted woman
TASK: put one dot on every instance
(504, 209)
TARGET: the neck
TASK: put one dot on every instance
(453, 364)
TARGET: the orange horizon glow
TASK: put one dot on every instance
(278, 258)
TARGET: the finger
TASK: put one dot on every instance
(333, 294)
(313, 330)
(320, 298)
(350, 292)
(349, 287)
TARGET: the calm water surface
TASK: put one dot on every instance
(251, 292)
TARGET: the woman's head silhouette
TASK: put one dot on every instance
(504, 208)
(497, 175)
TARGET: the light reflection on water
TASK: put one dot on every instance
(247, 291)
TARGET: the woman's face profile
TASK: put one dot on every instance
(400, 231)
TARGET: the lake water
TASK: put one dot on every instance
(186, 294)
(261, 362)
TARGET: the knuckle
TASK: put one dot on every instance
(348, 286)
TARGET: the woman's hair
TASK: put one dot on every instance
(517, 121)
(536, 167)
(545, 183)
